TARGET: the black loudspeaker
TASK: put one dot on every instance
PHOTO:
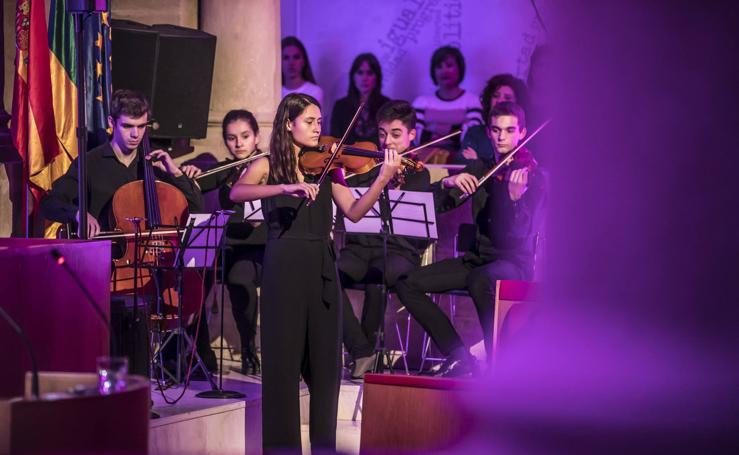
(173, 67)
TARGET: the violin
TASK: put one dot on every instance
(357, 158)
(511, 158)
(524, 159)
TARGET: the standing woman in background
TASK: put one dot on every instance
(297, 75)
(450, 107)
(499, 88)
(301, 303)
(365, 84)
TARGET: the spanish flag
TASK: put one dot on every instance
(45, 89)
(34, 125)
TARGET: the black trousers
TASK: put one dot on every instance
(445, 276)
(358, 264)
(300, 336)
(243, 275)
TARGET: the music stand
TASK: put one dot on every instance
(253, 210)
(398, 213)
(219, 248)
(188, 249)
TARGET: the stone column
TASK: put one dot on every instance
(247, 66)
(10, 167)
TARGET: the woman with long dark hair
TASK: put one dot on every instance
(365, 84)
(301, 304)
(297, 75)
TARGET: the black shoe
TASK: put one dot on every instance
(460, 363)
(250, 364)
(363, 365)
(255, 365)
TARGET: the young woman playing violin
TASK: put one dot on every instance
(301, 304)
(245, 241)
(505, 211)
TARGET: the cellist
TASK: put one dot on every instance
(112, 165)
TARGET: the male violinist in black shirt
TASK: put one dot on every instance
(362, 259)
(112, 165)
(505, 212)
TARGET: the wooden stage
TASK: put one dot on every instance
(233, 426)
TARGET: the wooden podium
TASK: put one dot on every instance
(63, 422)
(63, 328)
(412, 413)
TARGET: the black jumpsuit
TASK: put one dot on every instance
(301, 314)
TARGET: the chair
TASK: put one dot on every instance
(427, 257)
(507, 293)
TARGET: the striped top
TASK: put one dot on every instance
(437, 116)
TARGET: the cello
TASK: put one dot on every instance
(150, 254)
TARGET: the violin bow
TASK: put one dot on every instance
(224, 167)
(415, 149)
(331, 160)
(430, 143)
(506, 160)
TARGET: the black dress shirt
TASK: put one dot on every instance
(105, 174)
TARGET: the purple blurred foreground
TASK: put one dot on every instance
(634, 349)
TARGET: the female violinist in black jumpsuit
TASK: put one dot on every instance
(301, 310)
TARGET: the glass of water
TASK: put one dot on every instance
(112, 372)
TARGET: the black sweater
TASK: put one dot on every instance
(366, 127)
(238, 231)
(504, 229)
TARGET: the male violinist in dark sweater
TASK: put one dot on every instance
(362, 259)
(505, 215)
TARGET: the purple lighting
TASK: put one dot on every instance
(633, 347)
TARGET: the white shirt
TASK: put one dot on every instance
(308, 88)
(440, 116)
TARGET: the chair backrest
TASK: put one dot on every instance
(465, 238)
(429, 254)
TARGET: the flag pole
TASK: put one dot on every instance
(81, 126)
(79, 8)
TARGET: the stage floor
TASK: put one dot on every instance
(224, 426)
